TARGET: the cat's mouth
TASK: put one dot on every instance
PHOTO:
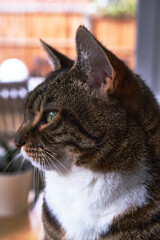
(47, 160)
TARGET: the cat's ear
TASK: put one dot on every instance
(106, 72)
(93, 60)
(58, 60)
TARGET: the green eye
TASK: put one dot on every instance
(50, 116)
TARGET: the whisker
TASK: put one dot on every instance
(44, 158)
(21, 164)
(59, 162)
(47, 158)
(40, 173)
(9, 165)
(49, 161)
(97, 144)
(99, 148)
(49, 165)
(9, 153)
(36, 179)
(12, 163)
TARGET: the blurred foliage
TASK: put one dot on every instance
(7, 156)
(117, 8)
(11, 160)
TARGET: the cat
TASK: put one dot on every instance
(93, 127)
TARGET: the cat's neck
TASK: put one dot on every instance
(84, 201)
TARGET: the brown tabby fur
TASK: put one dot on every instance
(106, 122)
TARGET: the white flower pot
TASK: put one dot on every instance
(14, 190)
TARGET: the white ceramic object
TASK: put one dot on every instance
(13, 70)
(14, 190)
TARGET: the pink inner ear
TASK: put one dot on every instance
(98, 80)
(103, 83)
(109, 87)
(101, 69)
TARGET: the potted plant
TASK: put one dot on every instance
(16, 181)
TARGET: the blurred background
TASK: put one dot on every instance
(24, 22)
(129, 28)
(24, 64)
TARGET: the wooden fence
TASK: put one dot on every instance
(20, 33)
(117, 34)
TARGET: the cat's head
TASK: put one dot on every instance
(82, 111)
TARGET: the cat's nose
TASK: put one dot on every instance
(19, 140)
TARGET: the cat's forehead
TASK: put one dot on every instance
(53, 90)
(64, 85)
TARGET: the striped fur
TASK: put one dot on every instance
(107, 127)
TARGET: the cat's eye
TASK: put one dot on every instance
(50, 116)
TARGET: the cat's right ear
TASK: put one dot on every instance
(93, 61)
(58, 60)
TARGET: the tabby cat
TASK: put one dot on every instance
(93, 127)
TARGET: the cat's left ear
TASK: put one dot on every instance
(58, 60)
(93, 61)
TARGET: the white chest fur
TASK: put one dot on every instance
(86, 203)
